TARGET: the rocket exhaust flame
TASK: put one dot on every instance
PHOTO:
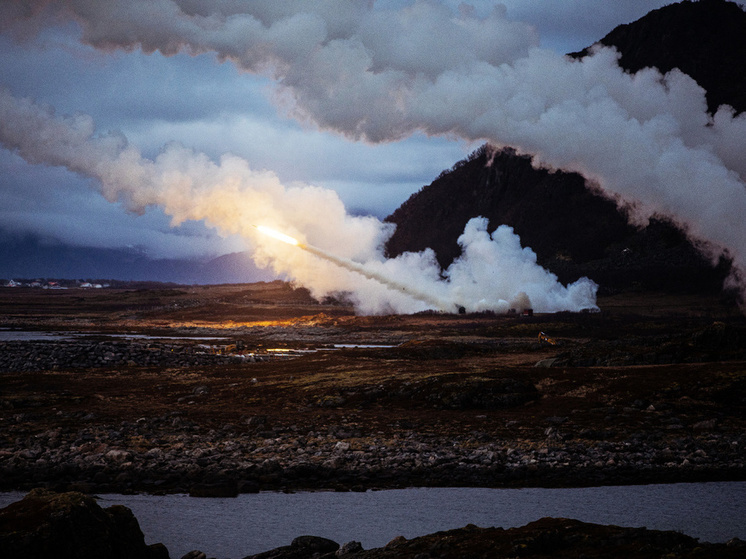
(277, 235)
(361, 269)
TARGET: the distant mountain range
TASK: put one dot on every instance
(573, 231)
(28, 258)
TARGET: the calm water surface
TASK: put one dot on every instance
(248, 524)
(26, 336)
(33, 336)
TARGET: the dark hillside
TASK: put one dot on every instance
(705, 39)
(573, 231)
(552, 212)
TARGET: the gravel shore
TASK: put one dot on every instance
(173, 454)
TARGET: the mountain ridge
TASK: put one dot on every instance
(686, 36)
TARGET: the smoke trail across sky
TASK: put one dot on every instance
(365, 271)
(370, 74)
(231, 197)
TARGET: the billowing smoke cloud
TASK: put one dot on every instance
(499, 263)
(645, 140)
(233, 198)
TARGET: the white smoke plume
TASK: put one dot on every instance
(499, 263)
(644, 139)
(233, 198)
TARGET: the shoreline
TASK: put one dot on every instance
(224, 462)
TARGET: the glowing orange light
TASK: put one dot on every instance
(277, 235)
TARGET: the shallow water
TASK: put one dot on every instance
(29, 336)
(252, 523)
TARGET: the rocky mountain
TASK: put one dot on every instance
(574, 231)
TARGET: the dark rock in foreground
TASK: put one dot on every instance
(302, 547)
(71, 526)
(547, 537)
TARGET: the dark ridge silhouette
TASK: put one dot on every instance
(705, 39)
(574, 231)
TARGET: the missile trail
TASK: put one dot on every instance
(436, 303)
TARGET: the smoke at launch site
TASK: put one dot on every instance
(379, 75)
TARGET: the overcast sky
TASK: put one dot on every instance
(213, 107)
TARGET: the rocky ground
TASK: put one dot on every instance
(226, 389)
(544, 538)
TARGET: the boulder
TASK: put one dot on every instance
(71, 525)
(302, 547)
